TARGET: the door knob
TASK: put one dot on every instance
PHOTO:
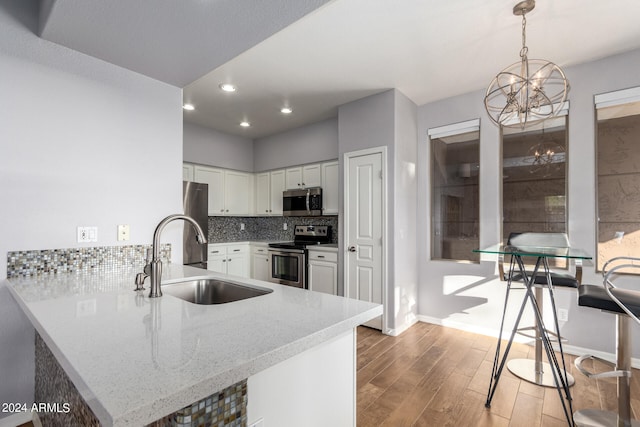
(352, 248)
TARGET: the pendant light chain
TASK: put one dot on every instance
(525, 49)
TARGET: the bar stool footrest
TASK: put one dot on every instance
(553, 337)
(609, 374)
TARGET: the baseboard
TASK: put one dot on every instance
(16, 419)
(569, 349)
(397, 331)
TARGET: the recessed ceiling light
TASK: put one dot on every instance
(188, 107)
(286, 110)
(227, 87)
(245, 124)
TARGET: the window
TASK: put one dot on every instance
(618, 175)
(455, 166)
(534, 178)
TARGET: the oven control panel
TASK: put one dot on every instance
(313, 230)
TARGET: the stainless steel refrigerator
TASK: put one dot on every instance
(196, 205)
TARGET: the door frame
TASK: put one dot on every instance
(346, 158)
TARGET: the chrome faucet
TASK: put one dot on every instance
(153, 268)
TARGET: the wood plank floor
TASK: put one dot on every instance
(436, 376)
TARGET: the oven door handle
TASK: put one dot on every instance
(308, 207)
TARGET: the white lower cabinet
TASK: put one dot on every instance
(323, 272)
(231, 259)
(260, 263)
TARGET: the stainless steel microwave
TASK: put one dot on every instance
(302, 202)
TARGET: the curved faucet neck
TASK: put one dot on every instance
(158, 231)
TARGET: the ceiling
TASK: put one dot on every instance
(314, 55)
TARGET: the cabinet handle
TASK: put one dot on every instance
(227, 210)
(320, 256)
(229, 260)
(236, 250)
(215, 252)
(224, 260)
(266, 210)
(221, 210)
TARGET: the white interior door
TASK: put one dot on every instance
(364, 208)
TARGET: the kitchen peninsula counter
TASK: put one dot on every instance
(135, 359)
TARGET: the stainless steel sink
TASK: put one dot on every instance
(212, 291)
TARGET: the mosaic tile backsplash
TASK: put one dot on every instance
(79, 260)
(224, 229)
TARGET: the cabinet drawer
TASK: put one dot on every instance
(216, 250)
(323, 256)
(260, 250)
(238, 249)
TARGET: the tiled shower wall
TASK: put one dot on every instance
(224, 229)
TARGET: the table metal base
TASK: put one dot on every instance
(598, 418)
(526, 369)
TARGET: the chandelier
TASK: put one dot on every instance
(528, 91)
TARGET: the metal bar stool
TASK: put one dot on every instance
(625, 304)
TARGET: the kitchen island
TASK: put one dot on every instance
(135, 360)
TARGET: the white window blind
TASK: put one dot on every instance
(454, 129)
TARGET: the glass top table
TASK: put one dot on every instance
(536, 251)
(535, 371)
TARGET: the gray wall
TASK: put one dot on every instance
(405, 270)
(469, 295)
(308, 144)
(213, 148)
(83, 143)
(389, 119)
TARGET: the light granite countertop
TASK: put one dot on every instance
(136, 359)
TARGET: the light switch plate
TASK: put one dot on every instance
(123, 232)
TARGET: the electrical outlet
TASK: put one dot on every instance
(87, 234)
(242, 226)
(123, 232)
(563, 315)
(284, 226)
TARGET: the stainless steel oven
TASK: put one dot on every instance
(288, 267)
(288, 260)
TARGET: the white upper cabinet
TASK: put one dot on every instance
(275, 191)
(269, 188)
(294, 178)
(263, 193)
(330, 188)
(230, 192)
(237, 193)
(215, 179)
(241, 193)
(304, 176)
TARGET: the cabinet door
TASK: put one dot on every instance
(260, 267)
(237, 193)
(294, 178)
(323, 277)
(276, 189)
(263, 202)
(330, 188)
(215, 179)
(311, 176)
(217, 263)
(187, 172)
(238, 265)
